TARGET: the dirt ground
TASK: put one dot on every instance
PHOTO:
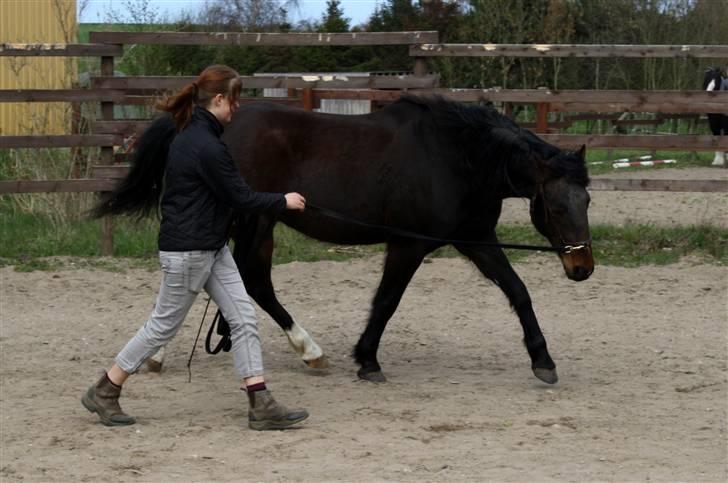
(641, 354)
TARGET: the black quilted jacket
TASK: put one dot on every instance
(203, 187)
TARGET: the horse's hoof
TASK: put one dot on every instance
(548, 376)
(154, 366)
(371, 376)
(318, 363)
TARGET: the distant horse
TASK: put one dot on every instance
(714, 80)
(422, 166)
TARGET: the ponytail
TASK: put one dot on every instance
(180, 106)
(214, 80)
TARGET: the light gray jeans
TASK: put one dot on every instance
(185, 274)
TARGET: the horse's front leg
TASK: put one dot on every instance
(254, 260)
(494, 264)
(401, 263)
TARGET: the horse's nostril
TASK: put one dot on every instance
(580, 273)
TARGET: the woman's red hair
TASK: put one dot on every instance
(214, 80)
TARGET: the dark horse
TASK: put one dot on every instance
(713, 80)
(421, 165)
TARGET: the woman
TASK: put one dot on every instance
(202, 188)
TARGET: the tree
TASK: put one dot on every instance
(248, 15)
(558, 28)
(334, 20)
(503, 21)
(393, 16)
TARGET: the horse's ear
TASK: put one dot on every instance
(582, 152)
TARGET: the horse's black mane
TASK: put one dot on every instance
(486, 125)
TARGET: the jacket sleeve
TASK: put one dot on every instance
(218, 170)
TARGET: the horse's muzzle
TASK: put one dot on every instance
(578, 263)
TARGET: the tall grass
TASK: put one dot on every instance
(60, 209)
(25, 235)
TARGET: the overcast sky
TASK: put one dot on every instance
(96, 10)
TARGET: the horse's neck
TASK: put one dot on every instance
(520, 181)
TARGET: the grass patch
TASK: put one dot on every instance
(26, 236)
(34, 243)
(635, 245)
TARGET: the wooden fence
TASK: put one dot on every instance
(308, 91)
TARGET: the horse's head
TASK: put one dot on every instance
(559, 211)
(712, 79)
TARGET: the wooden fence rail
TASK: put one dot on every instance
(62, 95)
(66, 140)
(59, 50)
(569, 50)
(332, 81)
(675, 185)
(671, 102)
(666, 142)
(602, 101)
(116, 89)
(270, 39)
(58, 186)
(686, 100)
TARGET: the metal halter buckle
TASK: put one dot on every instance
(572, 248)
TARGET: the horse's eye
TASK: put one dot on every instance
(558, 209)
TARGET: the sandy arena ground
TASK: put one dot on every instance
(641, 354)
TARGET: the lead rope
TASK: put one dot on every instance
(194, 346)
(417, 236)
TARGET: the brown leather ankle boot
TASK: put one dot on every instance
(103, 399)
(265, 413)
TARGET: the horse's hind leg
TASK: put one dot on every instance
(155, 362)
(719, 159)
(401, 264)
(718, 126)
(254, 259)
(493, 263)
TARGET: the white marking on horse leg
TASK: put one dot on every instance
(303, 344)
(159, 355)
(719, 159)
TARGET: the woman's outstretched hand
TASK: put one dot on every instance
(295, 201)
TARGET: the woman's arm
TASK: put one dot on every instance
(217, 169)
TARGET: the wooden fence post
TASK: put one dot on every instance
(76, 150)
(307, 99)
(542, 117)
(508, 109)
(107, 157)
(420, 68)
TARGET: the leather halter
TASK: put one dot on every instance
(566, 248)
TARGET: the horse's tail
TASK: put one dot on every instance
(139, 193)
